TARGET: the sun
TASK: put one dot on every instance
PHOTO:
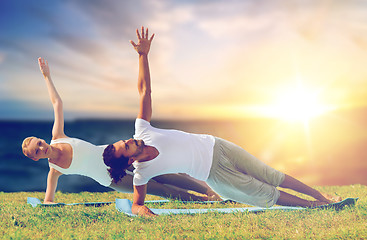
(297, 104)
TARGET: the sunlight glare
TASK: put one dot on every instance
(298, 104)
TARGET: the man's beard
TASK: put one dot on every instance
(140, 148)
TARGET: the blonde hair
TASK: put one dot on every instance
(25, 145)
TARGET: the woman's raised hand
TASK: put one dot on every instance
(143, 45)
(45, 70)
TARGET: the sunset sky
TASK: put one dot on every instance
(210, 59)
(299, 64)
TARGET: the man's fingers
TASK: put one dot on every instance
(138, 34)
(146, 35)
(132, 43)
(142, 32)
(151, 38)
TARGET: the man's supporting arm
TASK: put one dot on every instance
(138, 206)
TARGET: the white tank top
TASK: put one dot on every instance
(87, 160)
(179, 152)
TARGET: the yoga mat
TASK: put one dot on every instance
(35, 202)
(124, 206)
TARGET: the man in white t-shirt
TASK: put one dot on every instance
(228, 169)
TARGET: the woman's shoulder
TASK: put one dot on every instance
(63, 139)
(61, 136)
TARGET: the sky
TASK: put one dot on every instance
(296, 68)
(209, 59)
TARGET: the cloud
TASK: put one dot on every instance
(235, 19)
(2, 57)
(205, 51)
(113, 19)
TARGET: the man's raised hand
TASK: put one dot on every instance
(143, 45)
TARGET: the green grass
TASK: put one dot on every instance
(18, 220)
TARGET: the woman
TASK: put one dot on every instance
(74, 156)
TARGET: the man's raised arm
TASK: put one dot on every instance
(144, 88)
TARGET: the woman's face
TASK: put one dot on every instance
(38, 149)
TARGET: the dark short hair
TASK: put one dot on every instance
(117, 166)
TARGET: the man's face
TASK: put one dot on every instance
(128, 148)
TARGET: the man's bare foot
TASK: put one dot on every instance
(318, 203)
(331, 198)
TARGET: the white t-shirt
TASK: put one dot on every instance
(87, 160)
(179, 152)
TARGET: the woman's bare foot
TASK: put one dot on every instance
(190, 195)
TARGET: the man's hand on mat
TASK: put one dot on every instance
(143, 45)
(49, 202)
(142, 210)
(45, 70)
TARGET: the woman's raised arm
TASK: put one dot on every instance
(58, 128)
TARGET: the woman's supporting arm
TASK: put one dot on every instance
(52, 178)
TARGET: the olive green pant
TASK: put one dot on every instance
(237, 175)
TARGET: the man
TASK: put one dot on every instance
(228, 169)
